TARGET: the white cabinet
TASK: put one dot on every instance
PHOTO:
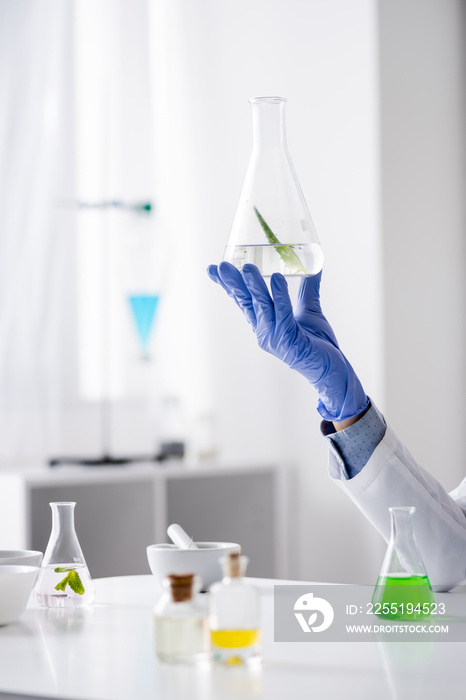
(120, 511)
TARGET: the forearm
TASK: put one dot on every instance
(349, 421)
(391, 477)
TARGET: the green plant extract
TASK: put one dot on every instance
(403, 598)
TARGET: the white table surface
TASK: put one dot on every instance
(105, 652)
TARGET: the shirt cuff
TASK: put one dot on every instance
(356, 443)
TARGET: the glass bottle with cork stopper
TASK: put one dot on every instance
(234, 616)
(180, 621)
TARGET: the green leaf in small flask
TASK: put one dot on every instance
(72, 579)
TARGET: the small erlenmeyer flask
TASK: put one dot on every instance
(403, 590)
(64, 579)
(272, 227)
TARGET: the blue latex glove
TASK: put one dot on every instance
(305, 341)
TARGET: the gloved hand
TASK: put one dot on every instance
(305, 341)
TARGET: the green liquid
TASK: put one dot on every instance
(403, 598)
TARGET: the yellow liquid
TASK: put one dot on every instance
(234, 639)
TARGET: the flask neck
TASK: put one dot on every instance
(402, 525)
(63, 518)
(63, 546)
(268, 123)
(403, 557)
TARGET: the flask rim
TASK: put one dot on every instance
(268, 100)
(402, 509)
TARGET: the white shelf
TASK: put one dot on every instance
(121, 510)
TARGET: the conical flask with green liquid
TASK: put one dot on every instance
(403, 590)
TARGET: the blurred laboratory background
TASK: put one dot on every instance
(125, 133)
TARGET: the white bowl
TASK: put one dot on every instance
(16, 584)
(165, 559)
(25, 557)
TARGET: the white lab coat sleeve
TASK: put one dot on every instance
(392, 477)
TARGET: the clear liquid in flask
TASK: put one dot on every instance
(64, 586)
(307, 258)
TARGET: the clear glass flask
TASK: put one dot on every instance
(64, 579)
(180, 622)
(403, 590)
(234, 616)
(272, 227)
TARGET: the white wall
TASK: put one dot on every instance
(423, 127)
(208, 59)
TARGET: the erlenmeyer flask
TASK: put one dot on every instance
(403, 590)
(272, 227)
(64, 579)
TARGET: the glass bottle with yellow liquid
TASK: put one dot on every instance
(403, 590)
(234, 618)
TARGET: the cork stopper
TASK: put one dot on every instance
(233, 565)
(181, 587)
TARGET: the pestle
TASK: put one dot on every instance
(180, 538)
